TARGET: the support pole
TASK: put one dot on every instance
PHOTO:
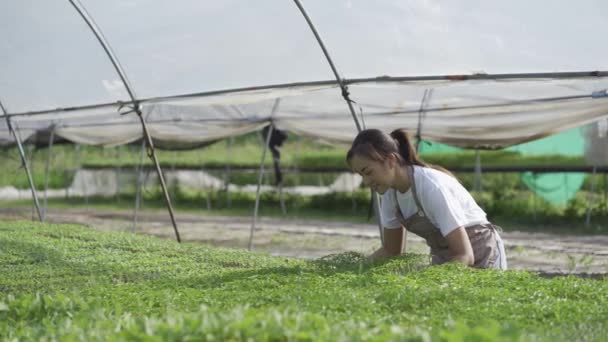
(23, 161)
(227, 172)
(29, 155)
(590, 197)
(605, 189)
(296, 170)
(118, 172)
(339, 79)
(345, 95)
(257, 192)
(134, 102)
(426, 98)
(152, 154)
(173, 185)
(202, 185)
(207, 196)
(266, 143)
(46, 170)
(139, 184)
(275, 161)
(477, 183)
(282, 200)
(66, 193)
(534, 197)
(83, 178)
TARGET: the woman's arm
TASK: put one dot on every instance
(459, 246)
(394, 243)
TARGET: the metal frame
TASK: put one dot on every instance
(228, 172)
(329, 83)
(343, 83)
(203, 189)
(23, 161)
(257, 193)
(46, 171)
(590, 197)
(344, 87)
(136, 105)
(266, 142)
(426, 99)
(140, 180)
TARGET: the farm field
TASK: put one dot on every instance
(70, 282)
(84, 274)
(241, 171)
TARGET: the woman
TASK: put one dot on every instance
(426, 200)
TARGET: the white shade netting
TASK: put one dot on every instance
(50, 61)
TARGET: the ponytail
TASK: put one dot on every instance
(408, 152)
(405, 148)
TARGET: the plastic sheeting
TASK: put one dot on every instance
(510, 113)
(507, 113)
(50, 60)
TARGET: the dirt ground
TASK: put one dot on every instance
(548, 253)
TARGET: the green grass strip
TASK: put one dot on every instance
(66, 282)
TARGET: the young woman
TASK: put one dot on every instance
(426, 200)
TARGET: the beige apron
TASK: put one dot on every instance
(482, 236)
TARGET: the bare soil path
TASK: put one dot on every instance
(548, 253)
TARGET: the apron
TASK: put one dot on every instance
(488, 248)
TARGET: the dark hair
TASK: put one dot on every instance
(377, 145)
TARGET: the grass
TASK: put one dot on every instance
(65, 282)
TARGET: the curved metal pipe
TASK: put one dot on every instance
(23, 162)
(136, 105)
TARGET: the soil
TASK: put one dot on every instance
(548, 254)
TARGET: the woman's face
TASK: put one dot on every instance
(377, 175)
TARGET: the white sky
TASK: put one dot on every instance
(49, 58)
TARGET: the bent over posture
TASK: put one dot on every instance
(426, 200)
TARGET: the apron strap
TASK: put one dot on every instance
(420, 210)
(410, 170)
(397, 208)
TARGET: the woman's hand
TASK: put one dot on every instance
(459, 246)
(380, 253)
(394, 243)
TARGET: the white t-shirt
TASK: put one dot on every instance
(447, 204)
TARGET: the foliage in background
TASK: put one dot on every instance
(246, 151)
(504, 196)
(511, 208)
